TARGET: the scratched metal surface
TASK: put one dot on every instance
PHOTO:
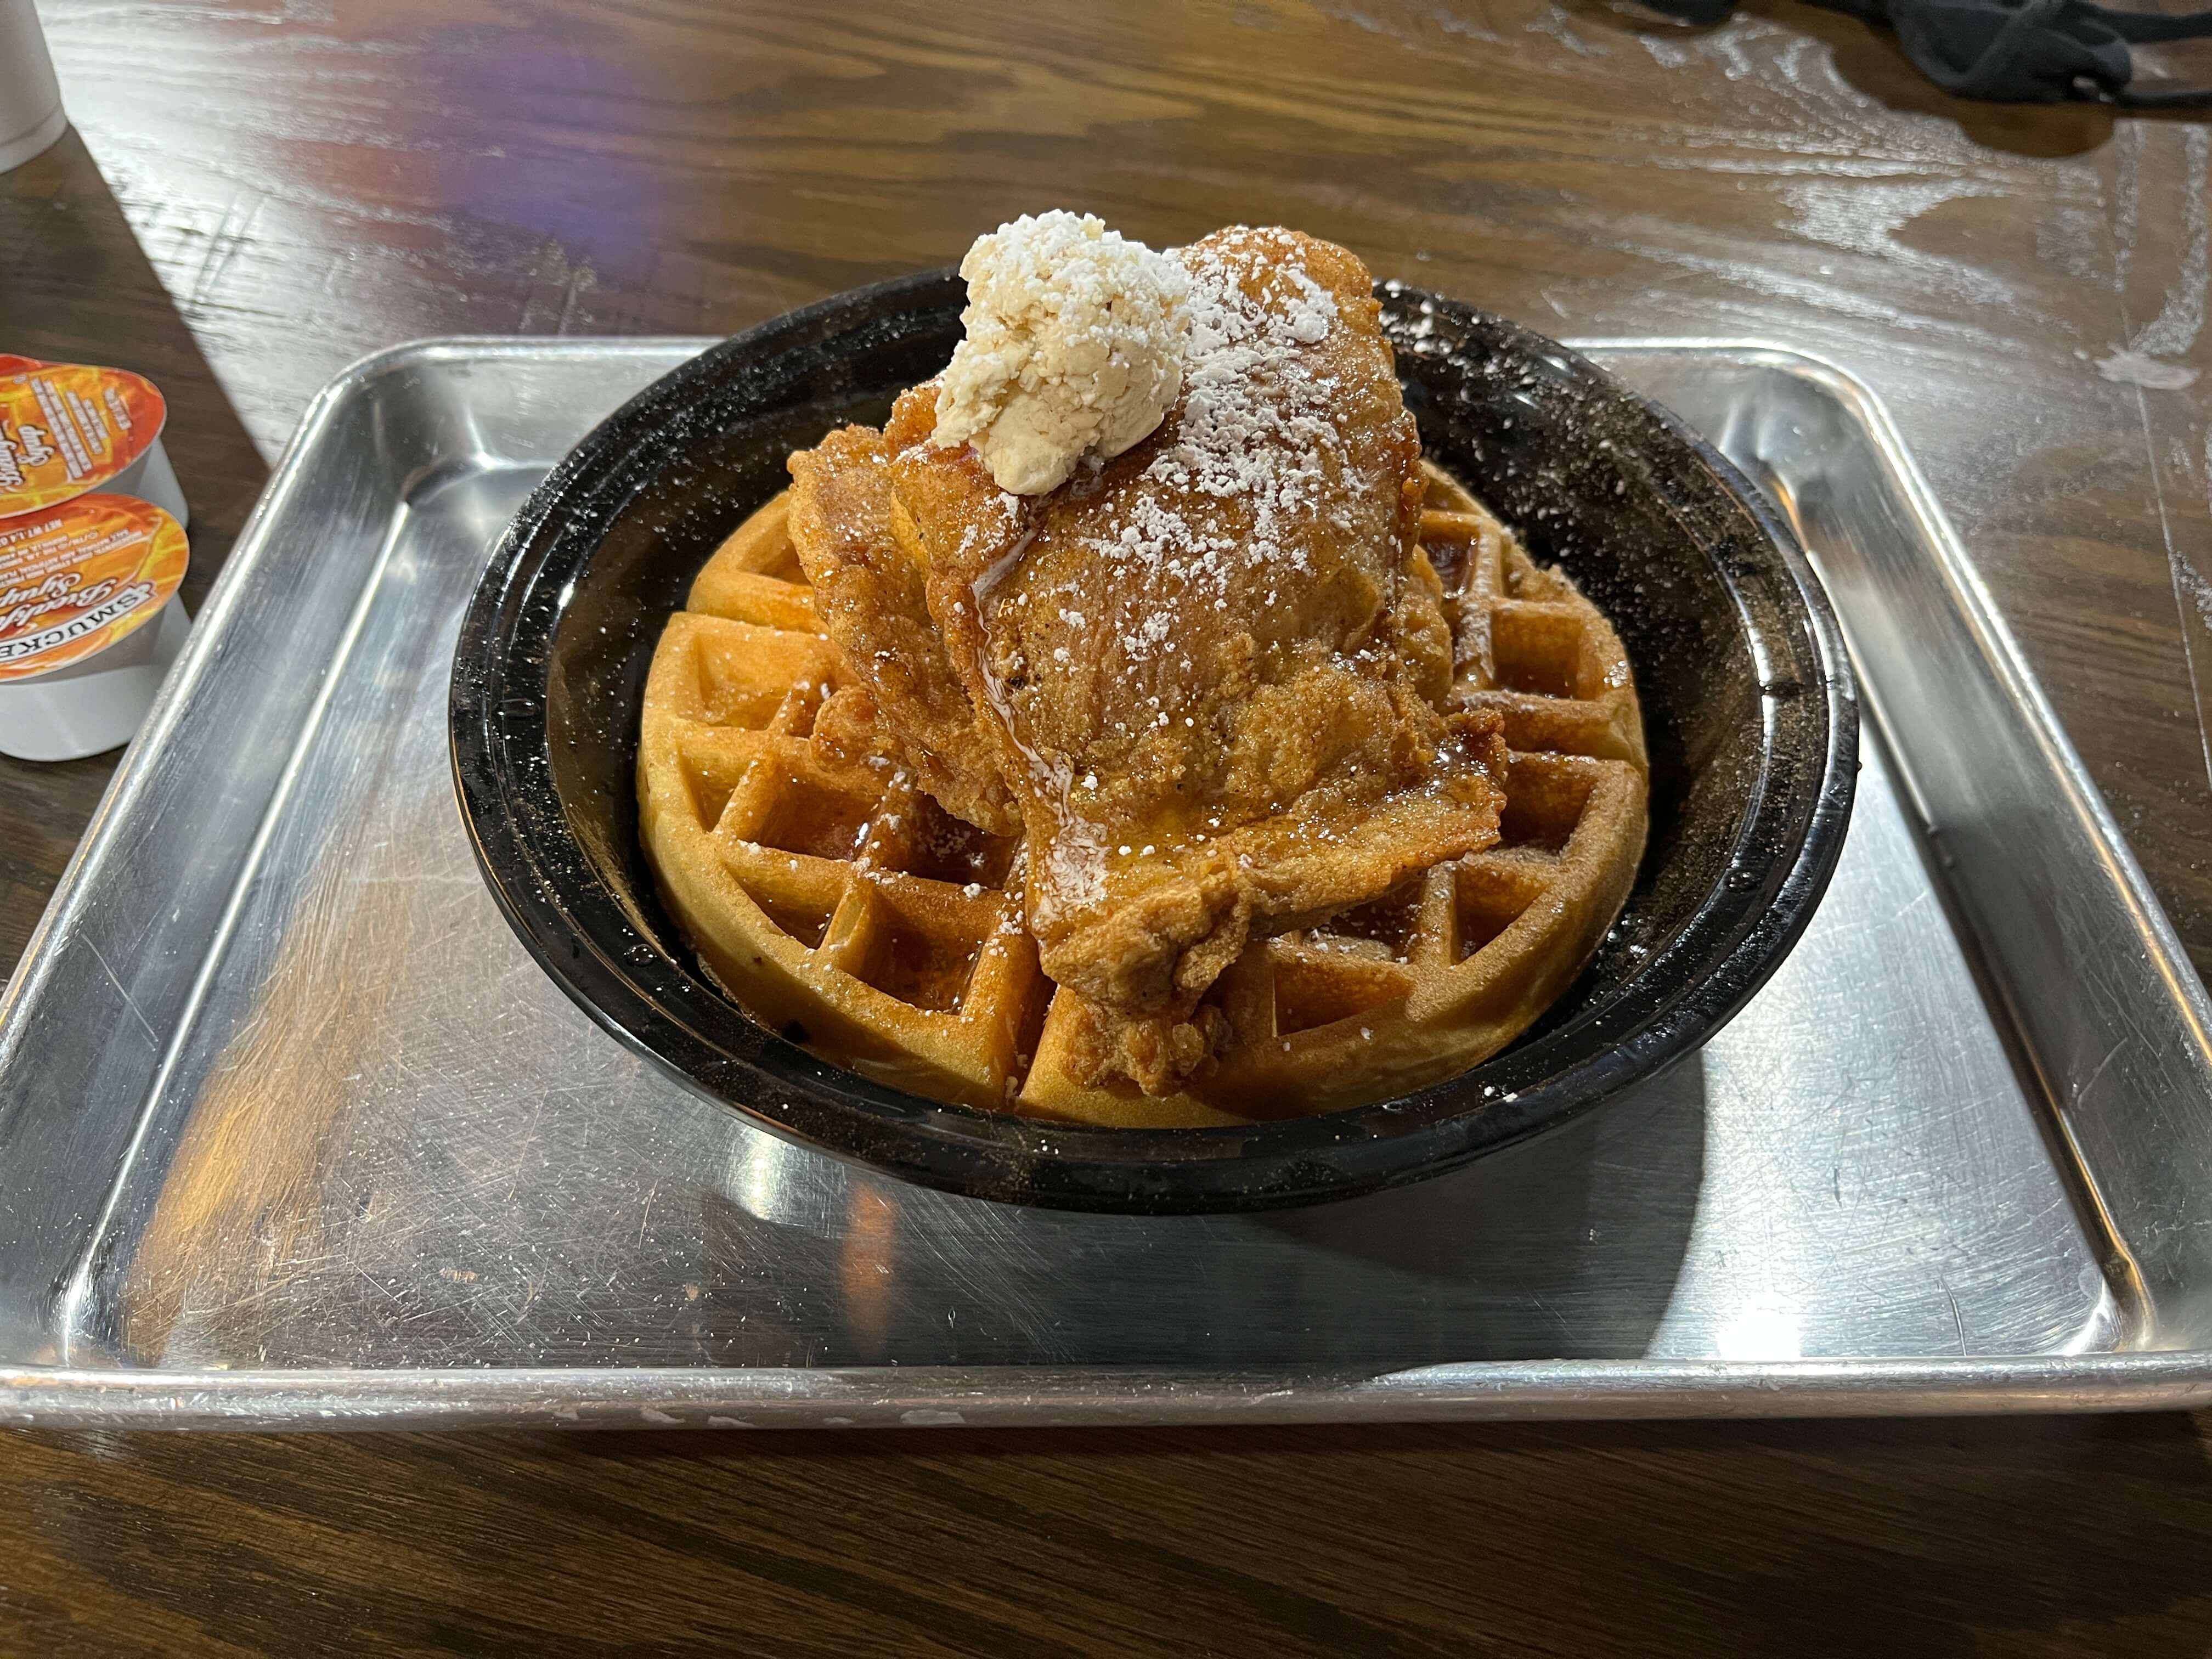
(282, 1094)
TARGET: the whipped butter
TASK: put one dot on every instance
(1073, 346)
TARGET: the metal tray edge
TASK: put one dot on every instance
(1995, 639)
(950, 1397)
(2181, 993)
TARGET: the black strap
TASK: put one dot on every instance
(2014, 50)
(2145, 27)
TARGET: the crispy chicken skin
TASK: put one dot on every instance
(1210, 671)
(911, 704)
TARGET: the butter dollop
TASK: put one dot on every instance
(1073, 346)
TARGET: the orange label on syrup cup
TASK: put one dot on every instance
(66, 428)
(76, 579)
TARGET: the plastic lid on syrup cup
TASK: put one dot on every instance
(67, 429)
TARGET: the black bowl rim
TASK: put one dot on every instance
(664, 1010)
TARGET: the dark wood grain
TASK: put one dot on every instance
(2072, 1536)
(264, 191)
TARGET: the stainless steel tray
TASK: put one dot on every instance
(293, 1133)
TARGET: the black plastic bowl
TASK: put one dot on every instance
(1748, 705)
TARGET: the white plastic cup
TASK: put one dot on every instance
(151, 479)
(31, 116)
(92, 705)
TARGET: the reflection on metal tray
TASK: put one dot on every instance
(296, 1133)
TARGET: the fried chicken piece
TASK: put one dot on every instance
(870, 596)
(1210, 669)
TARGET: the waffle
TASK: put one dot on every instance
(841, 906)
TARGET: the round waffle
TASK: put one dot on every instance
(842, 906)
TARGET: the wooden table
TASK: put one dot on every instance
(262, 192)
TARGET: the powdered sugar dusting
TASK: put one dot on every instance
(1254, 428)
